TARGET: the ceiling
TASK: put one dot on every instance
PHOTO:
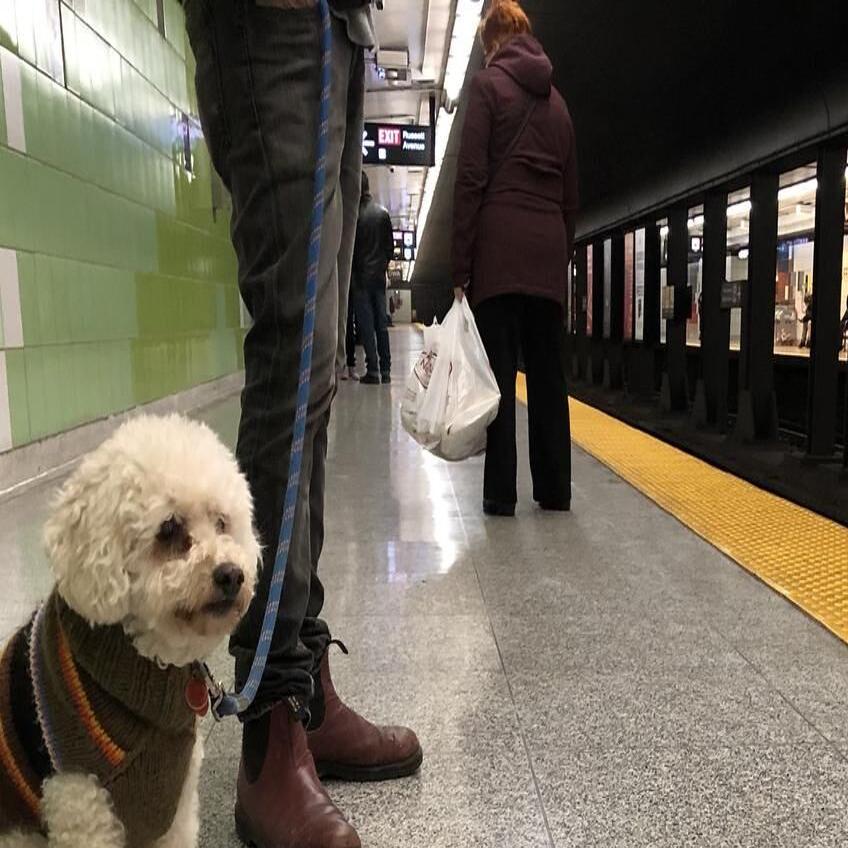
(423, 28)
(669, 98)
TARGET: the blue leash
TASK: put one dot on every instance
(224, 705)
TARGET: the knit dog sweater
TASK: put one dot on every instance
(80, 699)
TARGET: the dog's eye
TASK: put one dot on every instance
(169, 530)
(221, 524)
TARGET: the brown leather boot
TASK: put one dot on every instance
(348, 747)
(280, 801)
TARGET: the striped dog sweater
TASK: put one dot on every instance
(80, 699)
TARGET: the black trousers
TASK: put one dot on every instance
(510, 324)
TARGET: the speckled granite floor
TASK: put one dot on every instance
(603, 678)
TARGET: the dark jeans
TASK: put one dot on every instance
(258, 88)
(534, 326)
(370, 306)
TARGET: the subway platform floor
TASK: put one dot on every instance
(601, 678)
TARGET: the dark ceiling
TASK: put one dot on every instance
(668, 98)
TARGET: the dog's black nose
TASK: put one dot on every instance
(229, 579)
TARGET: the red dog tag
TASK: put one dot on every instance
(197, 696)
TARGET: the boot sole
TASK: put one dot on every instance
(244, 834)
(370, 774)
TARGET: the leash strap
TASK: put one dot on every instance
(222, 704)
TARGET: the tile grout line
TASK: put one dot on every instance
(774, 688)
(522, 735)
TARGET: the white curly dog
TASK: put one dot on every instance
(155, 555)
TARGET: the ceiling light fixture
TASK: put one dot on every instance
(798, 190)
(736, 210)
(465, 25)
(461, 44)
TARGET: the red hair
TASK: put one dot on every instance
(504, 20)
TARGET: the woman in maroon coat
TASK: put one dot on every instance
(514, 211)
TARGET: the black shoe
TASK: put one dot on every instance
(555, 506)
(370, 380)
(386, 378)
(495, 508)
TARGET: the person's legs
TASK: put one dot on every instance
(344, 744)
(350, 180)
(498, 323)
(543, 341)
(258, 83)
(381, 330)
(314, 633)
(262, 51)
(365, 325)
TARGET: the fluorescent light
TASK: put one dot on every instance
(465, 26)
(799, 189)
(443, 131)
(736, 210)
(664, 230)
(697, 221)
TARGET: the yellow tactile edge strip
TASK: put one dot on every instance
(797, 552)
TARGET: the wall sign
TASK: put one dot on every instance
(731, 294)
(405, 244)
(398, 144)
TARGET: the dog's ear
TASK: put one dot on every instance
(87, 541)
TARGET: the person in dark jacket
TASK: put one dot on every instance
(514, 216)
(372, 253)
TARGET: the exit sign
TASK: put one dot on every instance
(389, 137)
(398, 144)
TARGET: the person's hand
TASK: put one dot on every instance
(459, 293)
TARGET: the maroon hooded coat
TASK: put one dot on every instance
(514, 220)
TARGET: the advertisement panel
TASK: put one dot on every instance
(590, 282)
(607, 287)
(639, 285)
(628, 286)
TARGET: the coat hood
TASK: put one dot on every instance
(525, 60)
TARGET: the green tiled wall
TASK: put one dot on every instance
(126, 276)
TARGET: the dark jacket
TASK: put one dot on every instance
(374, 246)
(514, 229)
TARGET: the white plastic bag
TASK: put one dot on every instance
(461, 398)
(416, 388)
